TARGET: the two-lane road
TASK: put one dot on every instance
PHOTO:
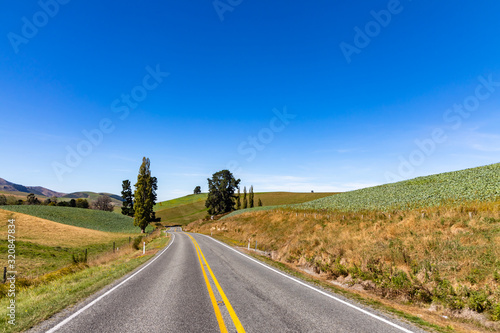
(201, 285)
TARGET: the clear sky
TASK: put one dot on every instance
(289, 95)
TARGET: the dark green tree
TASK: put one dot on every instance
(3, 200)
(128, 199)
(250, 196)
(72, 203)
(245, 202)
(238, 200)
(145, 196)
(221, 188)
(81, 203)
(197, 190)
(32, 200)
(260, 203)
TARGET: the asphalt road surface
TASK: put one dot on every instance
(198, 284)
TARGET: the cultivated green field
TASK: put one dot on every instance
(79, 217)
(477, 184)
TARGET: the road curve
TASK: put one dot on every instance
(201, 285)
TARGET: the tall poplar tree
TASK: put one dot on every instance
(238, 200)
(250, 196)
(128, 199)
(245, 202)
(145, 196)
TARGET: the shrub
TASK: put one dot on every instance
(478, 301)
(137, 242)
(495, 313)
(80, 258)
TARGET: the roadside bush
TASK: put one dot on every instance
(478, 301)
(495, 313)
(137, 242)
(80, 258)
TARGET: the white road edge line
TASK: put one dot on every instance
(67, 320)
(315, 289)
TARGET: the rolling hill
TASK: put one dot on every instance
(37, 190)
(20, 192)
(79, 217)
(475, 184)
(187, 209)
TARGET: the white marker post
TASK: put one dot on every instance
(143, 247)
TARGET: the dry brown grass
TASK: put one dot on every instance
(49, 233)
(440, 255)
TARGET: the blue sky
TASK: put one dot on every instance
(294, 96)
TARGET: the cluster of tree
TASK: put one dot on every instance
(78, 203)
(197, 190)
(140, 203)
(247, 202)
(221, 194)
(221, 188)
(10, 200)
(31, 199)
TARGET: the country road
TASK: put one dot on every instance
(198, 284)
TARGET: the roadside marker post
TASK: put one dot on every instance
(143, 247)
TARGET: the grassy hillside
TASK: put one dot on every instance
(477, 184)
(446, 258)
(91, 196)
(18, 195)
(190, 208)
(430, 242)
(85, 218)
(186, 200)
(45, 246)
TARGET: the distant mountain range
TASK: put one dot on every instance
(6, 186)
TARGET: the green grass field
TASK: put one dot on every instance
(185, 210)
(85, 218)
(186, 200)
(477, 184)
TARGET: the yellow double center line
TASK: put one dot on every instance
(220, 320)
